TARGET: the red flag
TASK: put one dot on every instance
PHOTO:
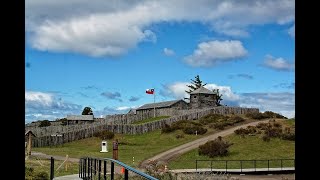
(150, 91)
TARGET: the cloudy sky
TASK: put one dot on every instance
(105, 54)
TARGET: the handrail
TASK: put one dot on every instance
(247, 160)
(86, 166)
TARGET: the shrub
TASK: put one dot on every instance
(45, 123)
(41, 175)
(104, 135)
(211, 118)
(270, 114)
(220, 125)
(166, 129)
(265, 138)
(193, 129)
(273, 132)
(28, 171)
(288, 136)
(178, 136)
(236, 119)
(262, 126)
(277, 125)
(256, 115)
(217, 147)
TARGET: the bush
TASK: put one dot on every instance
(193, 129)
(41, 175)
(288, 136)
(166, 129)
(236, 119)
(104, 135)
(256, 115)
(45, 123)
(217, 147)
(178, 136)
(270, 114)
(265, 138)
(273, 132)
(211, 118)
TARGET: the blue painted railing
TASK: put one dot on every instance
(91, 168)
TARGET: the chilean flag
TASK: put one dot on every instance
(150, 91)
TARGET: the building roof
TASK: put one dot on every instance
(80, 117)
(27, 132)
(159, 104)
(202, 90)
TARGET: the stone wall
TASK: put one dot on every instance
(77, 132)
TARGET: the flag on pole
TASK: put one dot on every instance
(150, 91)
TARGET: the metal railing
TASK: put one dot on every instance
(91, 168)
(246, 165)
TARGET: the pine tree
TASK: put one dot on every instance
(218, 97)
(195, 84)
(87, 111)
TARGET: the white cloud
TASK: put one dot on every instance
(111, 28)
(40, 106)
(177, 90)
(291, 31)
(283, 103)
(168, 52)
(278, 63)
(121, 108)
(213, 52)
(226, 92)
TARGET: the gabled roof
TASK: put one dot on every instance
(80, 117)
(159, 104)
(29, 131)
(202, 90)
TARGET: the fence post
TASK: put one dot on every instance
(95, 167)
(99, 169)
(241, 165)
(255, 165)
(104, 169)
(52, 169)
(281, 164)
(112, 170)
(211, 165)
(126, 177)
(268, 165)
(196, 165)
(80, 168)
(226, 166)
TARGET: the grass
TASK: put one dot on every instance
(150, 119)
(138, 146)
(248, 148)
(40, 165)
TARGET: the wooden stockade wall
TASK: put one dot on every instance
(78, 132)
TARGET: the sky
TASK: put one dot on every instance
(105, 54)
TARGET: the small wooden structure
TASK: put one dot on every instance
(29, 134)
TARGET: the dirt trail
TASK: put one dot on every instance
(167, 155)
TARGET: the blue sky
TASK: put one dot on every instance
(105, 54)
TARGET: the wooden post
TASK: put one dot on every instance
(29, 134)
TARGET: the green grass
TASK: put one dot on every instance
(150, 119)
(40, 165)
(138, 146)
(248, 148)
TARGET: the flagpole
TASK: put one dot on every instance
(154, 103)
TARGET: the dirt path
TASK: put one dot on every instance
(167, 155)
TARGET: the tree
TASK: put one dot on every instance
(45, 123)
(195, 84)
(218, 97)
(87, 111)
